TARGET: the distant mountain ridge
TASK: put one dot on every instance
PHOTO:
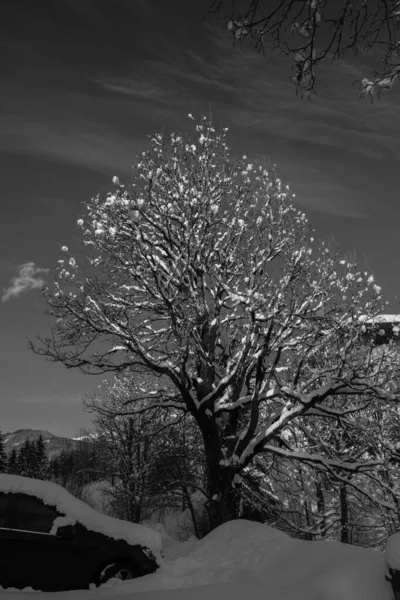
(54, 443)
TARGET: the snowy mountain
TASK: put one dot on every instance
(90, 436)
(54, 443)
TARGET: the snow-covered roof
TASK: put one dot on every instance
(55, 495)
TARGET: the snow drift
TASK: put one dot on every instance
(247, 559)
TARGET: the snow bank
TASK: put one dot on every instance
(55, 495)
(392, 552)
(244, 555)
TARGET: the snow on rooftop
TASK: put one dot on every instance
(55, 495)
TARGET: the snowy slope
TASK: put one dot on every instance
(54, 444)
(243, 560)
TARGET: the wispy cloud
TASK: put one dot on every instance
(141, 90)
(55, 398)
(325, 147)
(81, 143)
(29, 277)
(338, 138)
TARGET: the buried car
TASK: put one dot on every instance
(52, 541)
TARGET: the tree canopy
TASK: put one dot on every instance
(313, 31)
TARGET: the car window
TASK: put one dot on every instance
(3, 509)
(31, 514)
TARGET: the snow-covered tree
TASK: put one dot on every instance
(203, 272)
(314, 31)
(359, 507)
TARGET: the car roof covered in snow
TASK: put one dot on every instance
(55, 495)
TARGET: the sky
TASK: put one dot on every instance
(83, 83)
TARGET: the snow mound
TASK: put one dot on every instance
(392, 552)
(244, 557)
(55, 495)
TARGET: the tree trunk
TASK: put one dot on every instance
(188, 500)
(308, 515)
(344, 515)
(224, 493)
(223, 483)
(224, 505)
(321, 508)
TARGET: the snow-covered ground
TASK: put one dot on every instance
(248, 561)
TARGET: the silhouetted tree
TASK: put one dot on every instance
(3, 455)
(22, 459)
(74, 468)
(12, 462)
(315, 31)
(39, 459)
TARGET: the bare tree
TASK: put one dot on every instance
(203, 272)
(152, 455)
(355, 507)
(313, 31)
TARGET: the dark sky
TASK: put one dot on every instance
(82, 84)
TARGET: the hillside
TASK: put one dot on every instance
(54, 443)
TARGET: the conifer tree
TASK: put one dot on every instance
(39, 469)
(26, 461)
(3, 455)
(21, 460)
(12, 462)
(30, 458)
